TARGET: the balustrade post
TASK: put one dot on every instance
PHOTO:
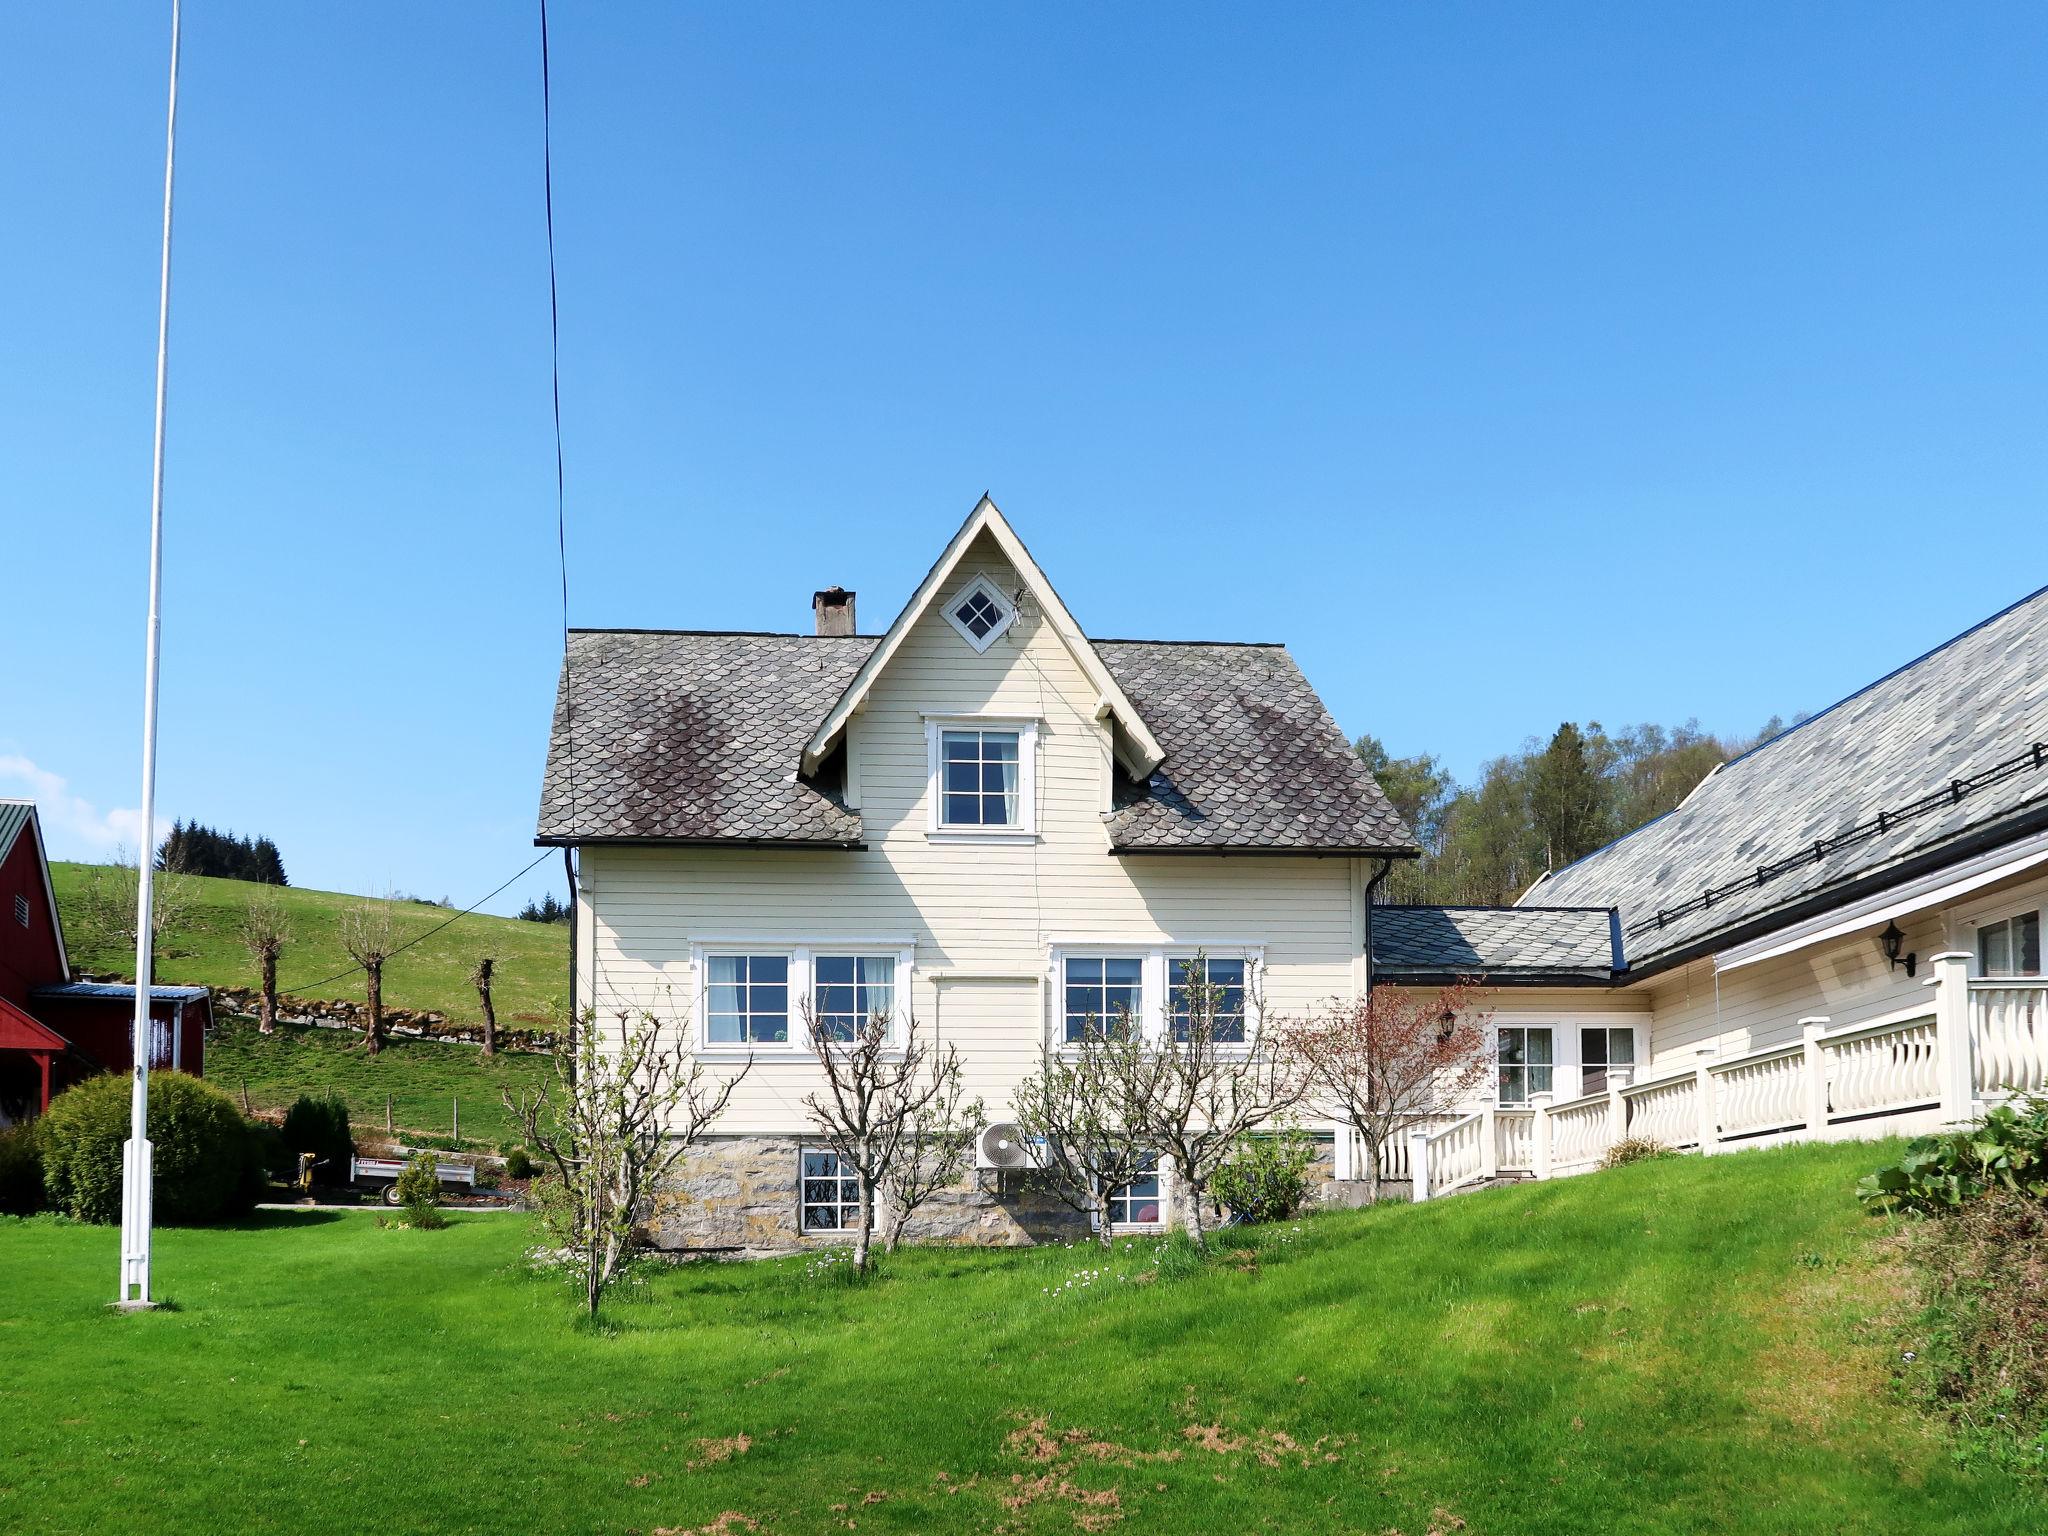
(1539, 1134)
(1617, 1106)
(1703, 1090)
(1489, 1141)
(1815, 1081)
(1418, 1162)
(1954, 1060)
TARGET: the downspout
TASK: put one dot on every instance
(569, 868)
(1372, 889)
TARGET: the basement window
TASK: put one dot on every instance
(1139, 1205)
(981, 613)
(831, 1193)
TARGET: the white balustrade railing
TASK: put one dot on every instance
(1666, 1110)
(1457, 1154)
(1514, 1140)
(1881, 1068)
(2009, 1025)
(1762, 1093)
(1581, 1130)
(1899, 1065)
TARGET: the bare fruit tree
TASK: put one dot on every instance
(1079, 1107)
(622, 1111)
(266, 929)
(881, 1077)
(367, 934)
(937, 1141)
(102, 915)
(1212, 1078)
(480, 978)
(1393, 1060)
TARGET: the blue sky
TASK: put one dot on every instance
(1513, 364)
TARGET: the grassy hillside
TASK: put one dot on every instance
(1702, 1345)
(420, 1077)
(532, 967)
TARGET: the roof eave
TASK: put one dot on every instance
(1294, 850)
(791, 844)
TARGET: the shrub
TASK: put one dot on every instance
(1635, 1149)
(1983, 1273)
(518, 1164)
(419, 1184)
(1942, 1172)
(1266, 1178)
(201, 1143)
(319, 1126)
(21, 1171)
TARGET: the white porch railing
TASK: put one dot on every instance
(1976, 1042)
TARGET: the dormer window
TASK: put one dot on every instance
(980, 612)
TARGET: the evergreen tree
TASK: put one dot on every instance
(1568, 799)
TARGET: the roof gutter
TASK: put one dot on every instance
(1372, 887)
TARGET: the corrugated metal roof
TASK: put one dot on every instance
(14, 815)
(119, 989)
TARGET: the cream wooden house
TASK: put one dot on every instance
(984, 817)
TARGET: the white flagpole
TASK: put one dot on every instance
(136, 1170)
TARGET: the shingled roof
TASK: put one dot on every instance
(697, 738)
(1253, 760)
(1499, 944)
(1946, 754)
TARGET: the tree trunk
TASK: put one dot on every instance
(1102, 1232)
(864, 1230)
(892, 1229)
(373, 1032)
(1371, 1148)
(483, 992)
(266, 1011)
(1191, 1213)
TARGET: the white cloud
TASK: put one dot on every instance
(76, 829)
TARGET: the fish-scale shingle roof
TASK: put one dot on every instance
(685, 737)
(1499, 943)
(1803, 808)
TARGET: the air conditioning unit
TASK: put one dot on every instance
(1004, 1146)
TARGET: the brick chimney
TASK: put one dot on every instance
(832, 609)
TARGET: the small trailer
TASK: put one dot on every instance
(387, 1169)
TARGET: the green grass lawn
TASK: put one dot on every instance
(421, 1077)
(532, 969)
(1697, 1346)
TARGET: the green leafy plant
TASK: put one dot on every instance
(319, 1126)
(1266, 1178)
(1635, 1149)
(1944, 1171)
(21, 1171)
(202, 1157)
(518, 1164)
(419, 1182)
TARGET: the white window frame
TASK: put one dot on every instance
(842, 1178)
(935, 728)
(1633, 1066)
(1996, 916)
(1004, 605)
(1156, 956)
(1556, 1028)
(803, 955)
(1164, 1174)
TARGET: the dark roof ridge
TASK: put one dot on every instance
(1250, 645)
(1472, 906)
(716, 634)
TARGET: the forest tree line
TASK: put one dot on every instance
(1540, 808)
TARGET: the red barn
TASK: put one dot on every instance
(55, 1030)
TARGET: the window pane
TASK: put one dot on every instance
(728, 968)
(1511, 1047)
(726, 1029)
(1621, 1047)
(963, 810)
(1593, 1047)
(962, 746)
(999, 746)
(1994, 950)
(2028, 935)
(768, 968)
(1514, 1085)
(1539, 1045)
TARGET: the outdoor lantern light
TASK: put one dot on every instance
(1893, 940)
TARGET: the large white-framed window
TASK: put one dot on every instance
(753, 995)
(1527, 1057)
(2010, 945)
(1096, 984)
(980, 612)
(828, 1193)
(982, 778)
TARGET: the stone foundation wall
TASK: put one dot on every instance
(740, 1193)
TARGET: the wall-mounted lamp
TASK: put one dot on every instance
(1893, 941)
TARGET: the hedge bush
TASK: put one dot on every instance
(319, 1126)
(1266, 1178)
(21, 1171)
(204, 1154)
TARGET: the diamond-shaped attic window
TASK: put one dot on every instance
(981, 613)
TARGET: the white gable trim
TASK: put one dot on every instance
(1145, 752)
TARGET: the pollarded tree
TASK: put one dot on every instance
(480, 978)
(1079, 1107)
(882, 1078)
(367, 934)
(266, 929)
(620, 1115)
(1391, 1061)
(1211, 1080)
